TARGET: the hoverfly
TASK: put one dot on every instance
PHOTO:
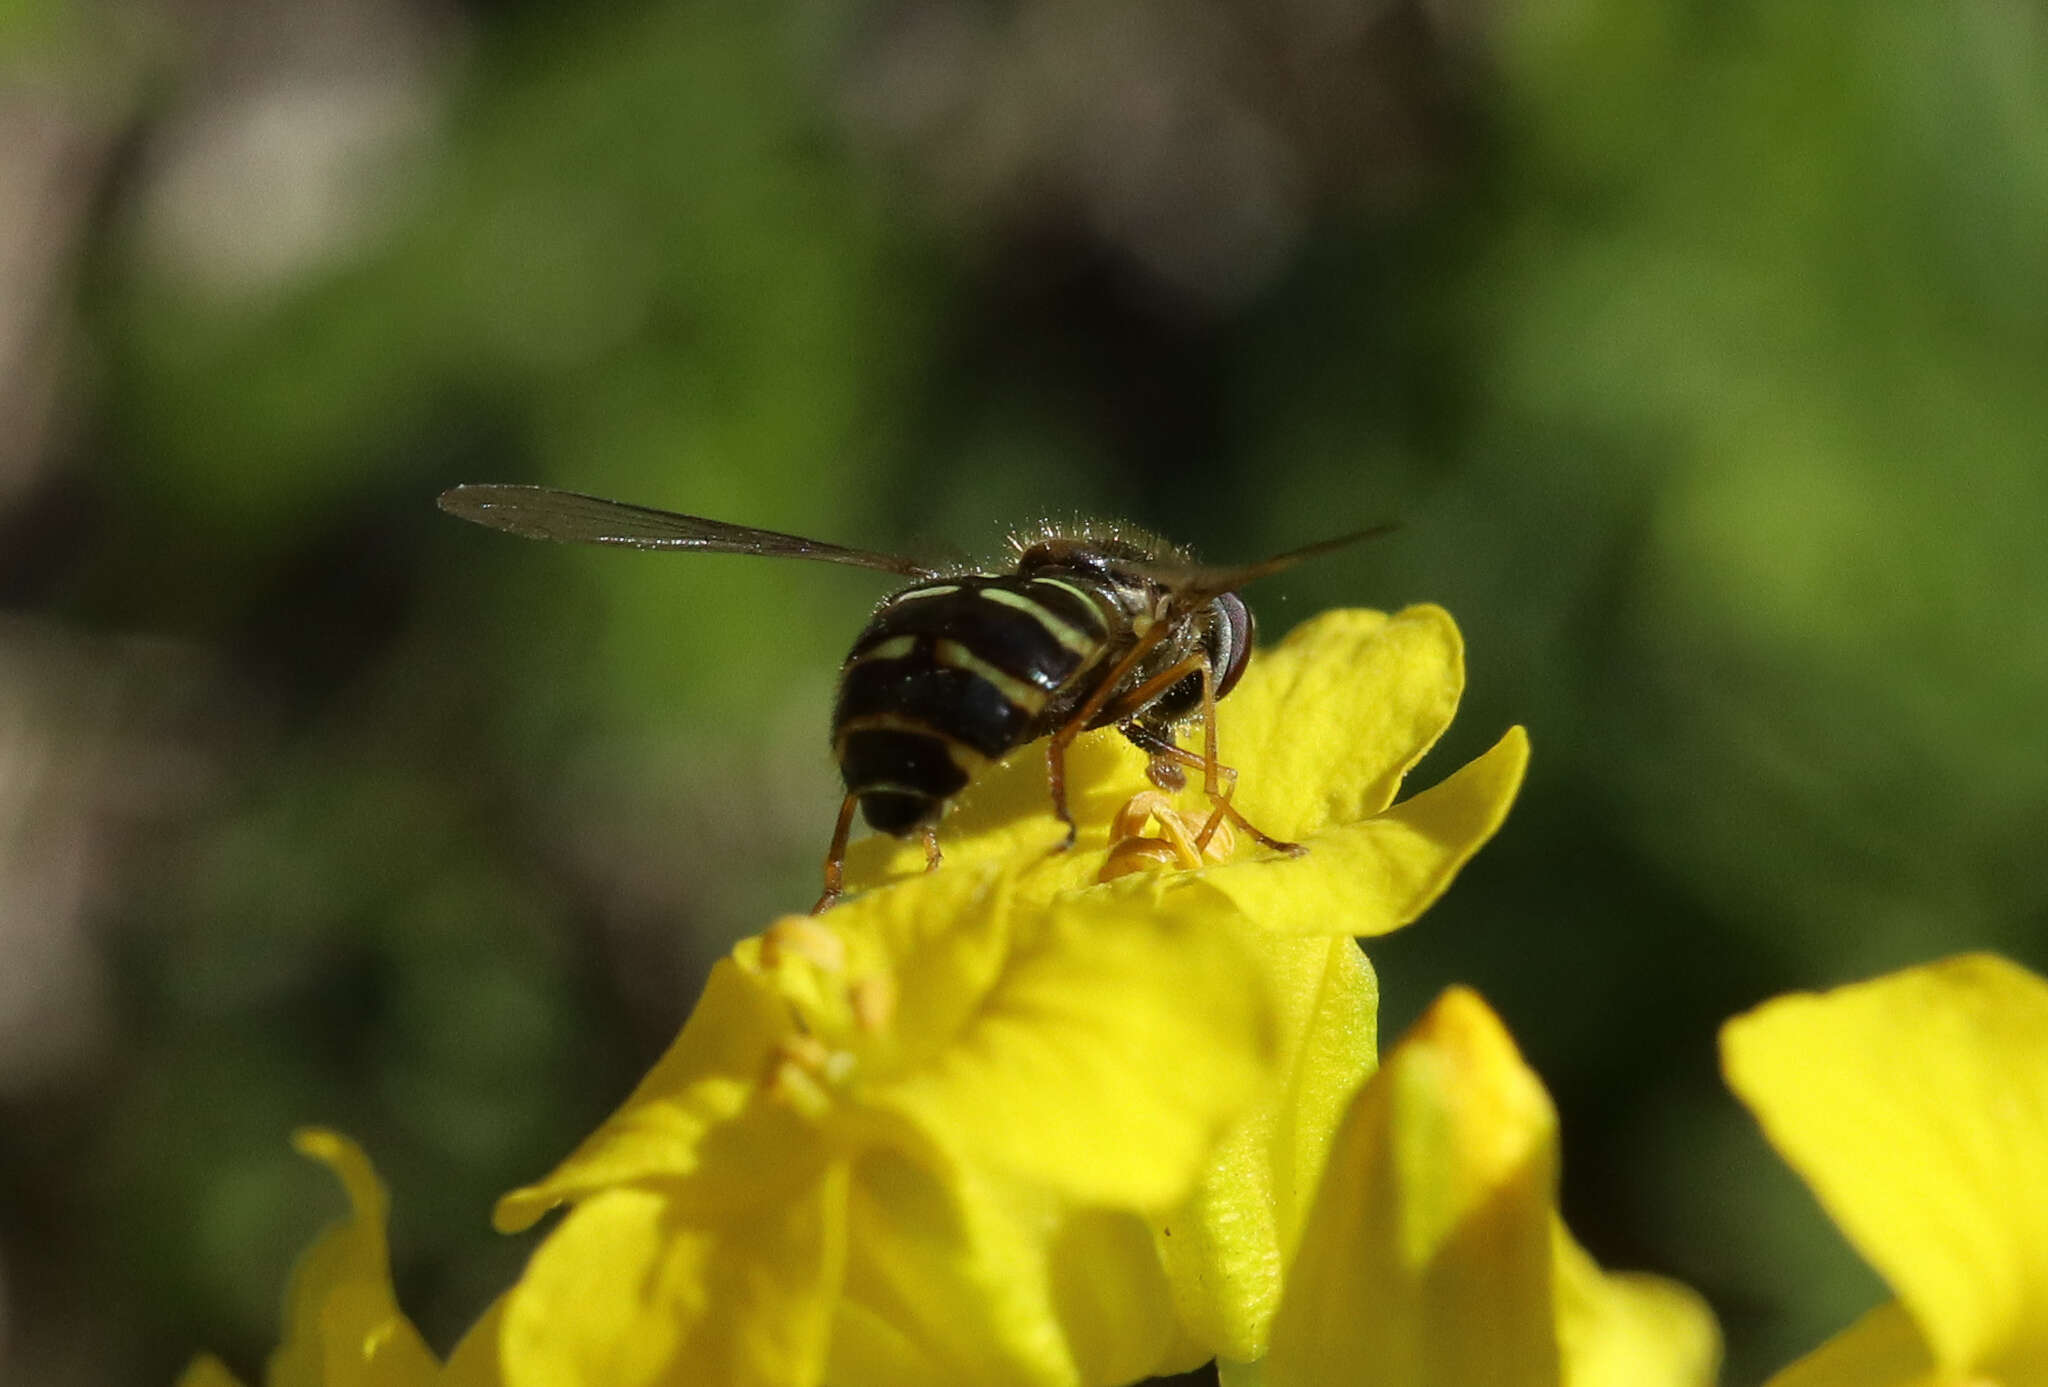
(1091, 626)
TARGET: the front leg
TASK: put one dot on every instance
(1077, 722)
(1168, 767)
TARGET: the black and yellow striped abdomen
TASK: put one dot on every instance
(951, 675)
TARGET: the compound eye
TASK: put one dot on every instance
(1230, 636)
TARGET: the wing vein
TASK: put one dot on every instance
(569, 517)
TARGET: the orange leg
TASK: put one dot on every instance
(1220, 797)
(1136, 699)
(835, 856)
(1219, 782)
(932, 855)
(1063, 736)
(1210, 767)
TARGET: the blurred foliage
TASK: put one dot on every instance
(1698, 347)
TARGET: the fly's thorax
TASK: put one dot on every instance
(1120, 570)
(951, 674)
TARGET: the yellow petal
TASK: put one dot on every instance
(478, 1358)
(1373, 877)
(1427, 1259)
(706, 1080)
(944, 940)
(1324, 726)
(626, 1292)
(1114, 1306)
(1005, 815)
(207, 1371)
(1883, 1349)
(342, 1323)
(1225, 1249)
(1916, 1108)
(1626, 1329)
(1120, 1039)
(969, 1279)
(700, 1121)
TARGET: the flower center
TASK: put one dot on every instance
(1183, 842)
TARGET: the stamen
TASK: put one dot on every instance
(1130, 855)
(799, 1073)
(801, 936)
(828, 1012)
(1183, 842)
(874, 1001)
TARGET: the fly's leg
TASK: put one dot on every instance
(1056, 782)
(1063, 736)
(835, 856)
(1219, 781)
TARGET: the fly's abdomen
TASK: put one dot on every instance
(949, 676)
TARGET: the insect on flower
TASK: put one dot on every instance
(1091, 626)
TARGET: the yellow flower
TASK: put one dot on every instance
(342, 1322)
(1434, 1256)
(1916, 1107)
(1000, 1123)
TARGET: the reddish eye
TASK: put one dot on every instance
(1230, 640)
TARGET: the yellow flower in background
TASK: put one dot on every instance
(1916, 1108)
(1434, 1255)
(342, 1324)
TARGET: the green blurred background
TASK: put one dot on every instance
(1702, 348)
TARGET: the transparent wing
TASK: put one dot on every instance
(540, 512)
(1191, 583)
